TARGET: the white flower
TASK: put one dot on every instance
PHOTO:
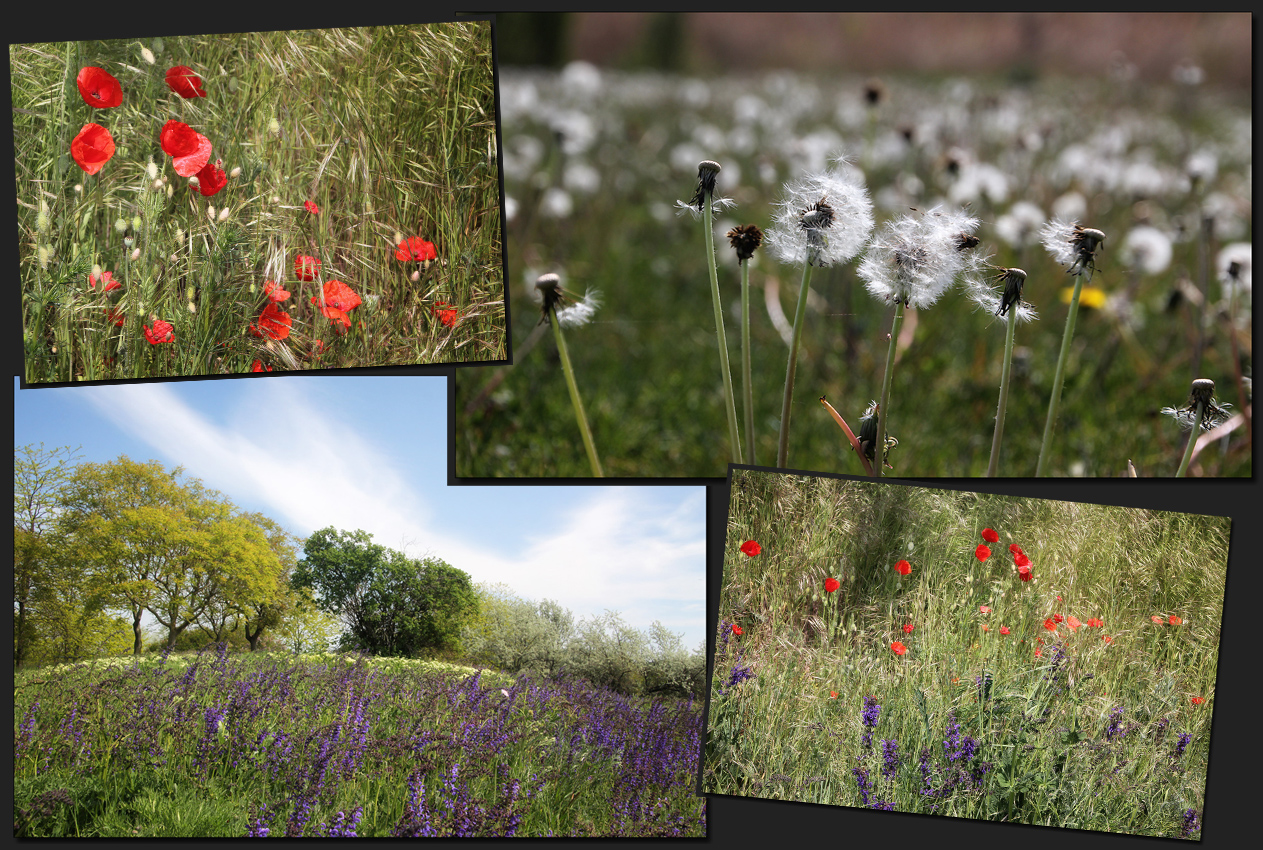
(824, 218)
(916, 258)
(1148, 249)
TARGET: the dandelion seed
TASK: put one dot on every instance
(915, 259)
(823, 219)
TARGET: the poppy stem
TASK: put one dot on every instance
(782, 446)
(746, 391)
(879, 451)
(1042, 465)
(734, 439)
(1192, 439)
(582, 419)
(1005, 373)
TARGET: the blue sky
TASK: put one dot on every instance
(371, 453)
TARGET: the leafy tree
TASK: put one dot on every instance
(39, 477)
(608, 652)
(516, 634)
(671, 669)
(307, 628)
(389, 603)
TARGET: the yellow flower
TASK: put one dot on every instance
(1090, 296)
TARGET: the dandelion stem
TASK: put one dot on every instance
(1005, 373)
(782, 446)
(574, 397)
(746, 392)
(734, 440)
(1057, 378)
(879, 451)
(1192, 440)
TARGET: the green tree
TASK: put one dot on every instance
(390, 604)
(608, 652)
(39, 477)
(516, 634)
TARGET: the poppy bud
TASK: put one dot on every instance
(415, 276)
(135, 255)
(235, 173)
(223, 214)
(147, 55)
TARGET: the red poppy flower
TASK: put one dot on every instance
(989, 535)
(211, 178)
(1174, 620)
(1039, 653)
(114, 317)
(907, 628)
(274, 291)
(982, 553)
(99, 88)
(898, 648)
(831, 584)
(339, 299)
(189, 149)
(1015, 549)
(258, 367)
(1158, 620)
(184, 82)
(1004, 630)
(1096, 622)
(833, 694)
(750, 548)
(986, 628)
(986, 609)
(92, 148)
(305, 267)
(415, 248)
(1107, 638)
(1050, 624)
(106, 278)
(1057, 618)
(1024, 573)
(1198, 700)
(737, 630)
(161, 332)
(903, 568)
(449, 316)
(311, 207)
(274, 322)
(1021, 560)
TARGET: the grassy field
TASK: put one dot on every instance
(226, 745)
(595, 161)
(337, 145)
(1081, 698)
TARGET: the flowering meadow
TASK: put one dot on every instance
(258, 202)
(968, 655)
(903, 221)
(228, 745)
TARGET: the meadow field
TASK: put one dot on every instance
(221, 744)
(598, 163)
(968, 655)
(279, 201)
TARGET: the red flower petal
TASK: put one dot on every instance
(1004, 630)
(831, 584)
(903, 568)
(305, 267)
(274, 291)
(340, 296)
(982, 553)
(99, 88)
(106, 278)
(898, 648)
(189, 149)
(750, 548)
(161, 332)
(92, 148)
(114, 317)
(210, 179)
(1015, 549)
(274, 322)
(737, 630)
(184, 82)
(907, 628)
(989, 535)
(311, 207)
(416, 248)
(258, 367)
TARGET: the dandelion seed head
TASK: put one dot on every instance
(1147, 249)
(824, 218)
(1214, 413)
(78, 188)
(916, 258)
(1234, 266)
(998, 302)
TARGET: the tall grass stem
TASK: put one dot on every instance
(782, 445)
(734, 440)
(746, 392)
(1005, 374)
(1042, 465)
(582, 419)
(879, 451)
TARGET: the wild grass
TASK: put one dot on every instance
(1067, 728)
(390, 131)
(595, 159)
(229, 745)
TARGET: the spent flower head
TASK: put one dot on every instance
(1234, 265)
(916, 258)
(1007, 297)
(1214, 413)
(1072, 245)
(745, 240)
(707, 172)
(824, 218)
(551, 298)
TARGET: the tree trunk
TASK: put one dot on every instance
(136, 612)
